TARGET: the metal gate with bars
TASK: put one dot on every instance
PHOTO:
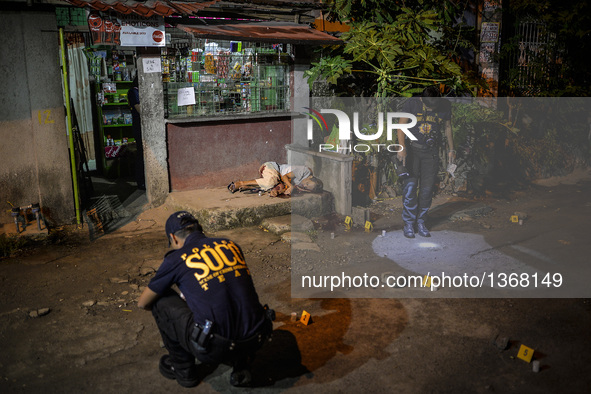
(537, 59)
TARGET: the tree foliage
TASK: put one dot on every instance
(395, 48)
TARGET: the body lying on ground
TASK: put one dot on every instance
(280, 179)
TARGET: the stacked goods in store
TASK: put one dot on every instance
(209, 64)
(223, 64)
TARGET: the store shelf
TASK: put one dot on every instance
(116, 125)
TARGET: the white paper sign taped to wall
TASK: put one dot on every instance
(152, 65)
(186, 96)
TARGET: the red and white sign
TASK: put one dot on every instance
(142, 32)
(127, 30)
(158, 36)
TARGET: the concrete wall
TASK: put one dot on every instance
(333, 169)
(212, 154)
(34, 158)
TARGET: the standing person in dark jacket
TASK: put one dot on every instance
(421, 157)
(133, 99)
(217, 317)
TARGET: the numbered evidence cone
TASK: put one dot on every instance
(306, 318)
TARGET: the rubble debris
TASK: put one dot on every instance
(502, 343)
(89, 303)
(39, 312)
(144, 271)
(119, 280)
(520, 215)
(475, 211)
(295, 237)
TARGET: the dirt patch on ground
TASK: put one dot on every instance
(94, 338)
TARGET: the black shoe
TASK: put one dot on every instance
(422, 230)
(240, 378)
(186, 377)
(232, 188)
(408, 231)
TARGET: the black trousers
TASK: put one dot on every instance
(422, 163)
(175, 322)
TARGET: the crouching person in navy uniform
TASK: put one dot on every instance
(217, 317)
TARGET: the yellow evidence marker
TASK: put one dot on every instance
(348, 222)
(525, 353)
(514, 219)
(368, 226)
(305, 319)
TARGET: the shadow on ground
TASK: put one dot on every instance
(112, 205)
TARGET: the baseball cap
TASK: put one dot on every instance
(175, 222)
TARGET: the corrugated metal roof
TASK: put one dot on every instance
(273, 32)
(146, 8)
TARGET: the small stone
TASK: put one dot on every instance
(124, 292)
(501, 342)
(33, 314)
(119, 280)
(102, 303)
(134, 286)
(89, 303)
(43, 311)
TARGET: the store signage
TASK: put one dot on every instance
(489, 32)
(142, 32)
(127, 30)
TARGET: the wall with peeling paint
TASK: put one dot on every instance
(34, 158)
